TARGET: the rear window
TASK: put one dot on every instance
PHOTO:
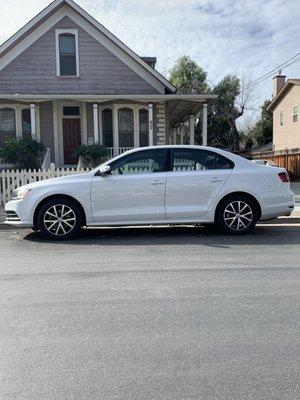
(198, 160)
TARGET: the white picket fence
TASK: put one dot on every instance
(10, 179)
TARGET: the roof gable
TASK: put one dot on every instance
(283, 92)
(60, 8)
(101, 72)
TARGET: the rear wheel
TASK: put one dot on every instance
(59, 219)
(237, 215)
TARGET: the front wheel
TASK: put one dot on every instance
(237, 215)
(59, 219)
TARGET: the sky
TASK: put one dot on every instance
(243, 37)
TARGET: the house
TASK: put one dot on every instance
(65, 80)
(286, 120)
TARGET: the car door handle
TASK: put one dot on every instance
(216, 180)
(157, 183)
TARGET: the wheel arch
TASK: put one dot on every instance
(240, 193)
(55, 196)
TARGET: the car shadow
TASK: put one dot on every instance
(264, 234)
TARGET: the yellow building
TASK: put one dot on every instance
(286, 120)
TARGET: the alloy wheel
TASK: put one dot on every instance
(238, 215)
(59, 219)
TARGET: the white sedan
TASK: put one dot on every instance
(156, 185)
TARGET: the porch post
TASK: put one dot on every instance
(84, 123)
(33, 121)
(115, 131)
(136, 127)
(96, 123)
(192, 130)
(174, 136)
(150, 109)
(181, 135)
(204, 125)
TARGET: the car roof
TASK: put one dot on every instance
(233, 157)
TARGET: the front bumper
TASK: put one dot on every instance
(18, 213)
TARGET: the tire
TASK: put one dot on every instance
(237, 215)
(59, 219)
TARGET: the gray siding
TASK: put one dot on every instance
(34, 71)
(46, 124)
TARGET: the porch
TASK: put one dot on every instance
(119, 122)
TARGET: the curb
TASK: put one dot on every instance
(277, 221)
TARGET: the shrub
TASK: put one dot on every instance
(22, 153)
(92, 155)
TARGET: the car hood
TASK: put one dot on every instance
(56, 181)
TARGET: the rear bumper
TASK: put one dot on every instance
(280, 204)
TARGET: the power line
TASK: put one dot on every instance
(279, 66)
(285, 64)
(267, 75)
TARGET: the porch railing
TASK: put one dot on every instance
(116, 151)
(111, 153)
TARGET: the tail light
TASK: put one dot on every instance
(284, 176)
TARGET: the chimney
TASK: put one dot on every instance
(150, 61)
(278, 83)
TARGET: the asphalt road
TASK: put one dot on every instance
(159, 313)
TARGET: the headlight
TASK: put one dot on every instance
(20, 193)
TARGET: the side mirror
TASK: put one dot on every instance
(105, 170)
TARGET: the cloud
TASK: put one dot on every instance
(248, 37)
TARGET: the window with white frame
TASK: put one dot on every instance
(295, 113)
(144, 127)
(71, 111)
(126, 127)
(67, 57)
(26, 123)
(281, 117)
(107, 127)
(7, 124)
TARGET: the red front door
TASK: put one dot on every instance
(72, 139)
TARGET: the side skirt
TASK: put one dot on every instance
(154, 222)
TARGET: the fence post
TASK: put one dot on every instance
(2, 198)
(52, 170)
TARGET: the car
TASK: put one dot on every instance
(269, 163)
(153, 186)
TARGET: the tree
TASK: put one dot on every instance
(234, 97)
(188, 76)
(262, 132)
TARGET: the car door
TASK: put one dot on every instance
(133, 191)
(195, 178)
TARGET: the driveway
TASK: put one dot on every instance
(158, 313)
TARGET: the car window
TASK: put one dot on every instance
(198, 160)
(143, 162)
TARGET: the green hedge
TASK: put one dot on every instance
(22, 153)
